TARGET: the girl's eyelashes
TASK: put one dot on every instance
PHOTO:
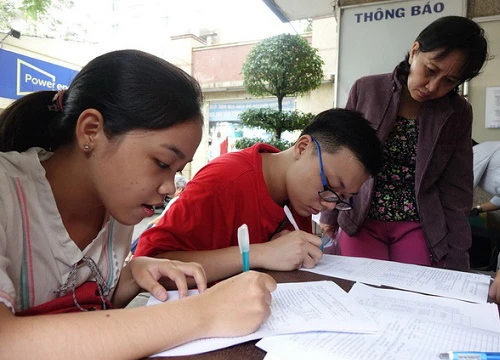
(162, 165)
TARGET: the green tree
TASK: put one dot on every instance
(34, 8)
(280, 66)
(7, 12)
(275, 122)
(29, 10)
(43, 18)
(280, 144)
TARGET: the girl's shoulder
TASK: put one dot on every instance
(18, 164)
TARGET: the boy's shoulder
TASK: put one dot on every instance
(242, 159)
(239, 166)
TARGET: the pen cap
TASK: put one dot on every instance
(243, 238)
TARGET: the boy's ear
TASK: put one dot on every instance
(301, 145)
(89, 128)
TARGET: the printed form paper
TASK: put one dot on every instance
(426, 307)
(414, 326)
(428, 280)
(296, 307)
(401, 338)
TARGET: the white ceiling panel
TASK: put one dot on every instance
(289, 10)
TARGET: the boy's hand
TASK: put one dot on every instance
(290, 251)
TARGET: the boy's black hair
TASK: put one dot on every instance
(338, 128)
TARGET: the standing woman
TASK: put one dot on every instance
(414, 210)
(78, 168)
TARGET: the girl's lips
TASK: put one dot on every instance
(148, 210)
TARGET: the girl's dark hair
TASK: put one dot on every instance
(130, 88)
(338, 128)
(448, 34)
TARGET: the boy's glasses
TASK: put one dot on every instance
(328, 194)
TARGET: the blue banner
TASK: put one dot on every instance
(21, 75)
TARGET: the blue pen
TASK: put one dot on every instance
(470, 355)
(244, 243)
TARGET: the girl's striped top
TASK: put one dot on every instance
(36, 252)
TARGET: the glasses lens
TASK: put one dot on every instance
(329, 196)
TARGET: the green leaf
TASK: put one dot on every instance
(281, 66)
(284, 64)
(275, 121)
(247, 142)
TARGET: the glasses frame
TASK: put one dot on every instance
(344, 205)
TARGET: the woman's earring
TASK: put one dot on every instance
(86, 147)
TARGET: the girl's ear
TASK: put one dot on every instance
(89, 128)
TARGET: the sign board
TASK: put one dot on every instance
(374, 38)
(492, 111)
(229, 110)
(21, 75)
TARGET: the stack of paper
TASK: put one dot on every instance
(413, 326)
(295, 308)
(428, 280)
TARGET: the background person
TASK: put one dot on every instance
(180, 184)
(415, 209)
(487, 174)
(332, 158)
(77, 171)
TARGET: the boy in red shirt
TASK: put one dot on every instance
(253, 185)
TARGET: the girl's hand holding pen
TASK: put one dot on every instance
(237, 306)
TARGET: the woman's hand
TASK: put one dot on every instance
(494, 292)
(329, 230)
(237, 306)
(290, 251)
(147, 271)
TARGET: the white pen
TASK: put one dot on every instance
(290, 218)
(244, 244)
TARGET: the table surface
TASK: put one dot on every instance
(248, 350)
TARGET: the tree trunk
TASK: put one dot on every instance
(277, 133)
(280, 103)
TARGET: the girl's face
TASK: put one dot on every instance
(431, 78)
(345, 174)
(135, 172)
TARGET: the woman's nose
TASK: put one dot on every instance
(432, 85)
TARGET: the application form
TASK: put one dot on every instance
(295, 308)
(428, 280)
